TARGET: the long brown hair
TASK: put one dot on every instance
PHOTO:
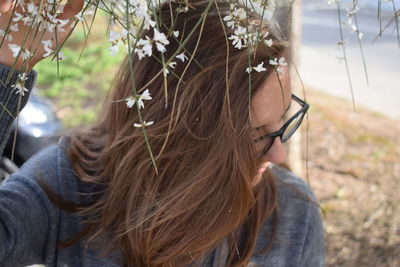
(203, 192)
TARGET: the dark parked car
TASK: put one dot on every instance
(38, 126)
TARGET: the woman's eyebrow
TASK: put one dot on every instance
(283, 115)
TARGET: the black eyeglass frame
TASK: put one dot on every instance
(281, 131)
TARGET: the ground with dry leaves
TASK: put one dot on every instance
(354, 168)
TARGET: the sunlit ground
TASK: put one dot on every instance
(354, 169)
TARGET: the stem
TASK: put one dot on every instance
(134, 89)
(344, 55)
(360, 43)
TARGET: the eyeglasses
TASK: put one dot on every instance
(287, 130)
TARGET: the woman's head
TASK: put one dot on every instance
(205, 98)
(204, 112)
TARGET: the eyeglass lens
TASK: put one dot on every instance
(292, 127)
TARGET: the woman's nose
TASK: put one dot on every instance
(277, 153)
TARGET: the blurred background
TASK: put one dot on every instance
(350, 156)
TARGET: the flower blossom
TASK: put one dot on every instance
(268, 42)
(145, 46)
(277, 64)
(17, 17)
(8, 36)
(130, 101)
(46, 45)
(14, 28)
(144, 124)
(239, 38)
(19, 86)
(260, 67)
(60, 55)
(161, 40)
(16, 50)
(237, 15)
(166, 70)
(182, 57)
(113, 39)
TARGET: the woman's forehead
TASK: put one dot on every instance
(271, 101)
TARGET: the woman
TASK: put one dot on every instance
(216, 196)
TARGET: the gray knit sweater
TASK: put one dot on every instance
(31, 226)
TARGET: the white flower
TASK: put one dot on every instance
(260, 67)
(147, 45)
(27, 20)
(17, 17)
(20, 89)
(19, 86)
(46, 42)
(165, 71)
(26, 54)
(268, 42)
(14, 28)
(130, 101)
(144, 96)
(240, 31)
(172, 64)
(181, 56)
(161, 40)
(239, 13)
(61, 55)
(282, 61)
(273, 62)
(239, 38)
(278, 64)
(113, 36)
(32, 9)
(229, 21)
(114, 49)
(146, 48)
(8, 37)
(15, 49)
(140, 53)
(46, 45)
(79, 16)
(139, 125)
(176, 33)
(61, 23)
(161, 47)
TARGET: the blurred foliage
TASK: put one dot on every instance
(82, 79)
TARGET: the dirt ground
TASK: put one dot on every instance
(354, 168)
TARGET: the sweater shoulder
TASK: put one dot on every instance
(51, 166)
(291, 187)
(298, 224)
